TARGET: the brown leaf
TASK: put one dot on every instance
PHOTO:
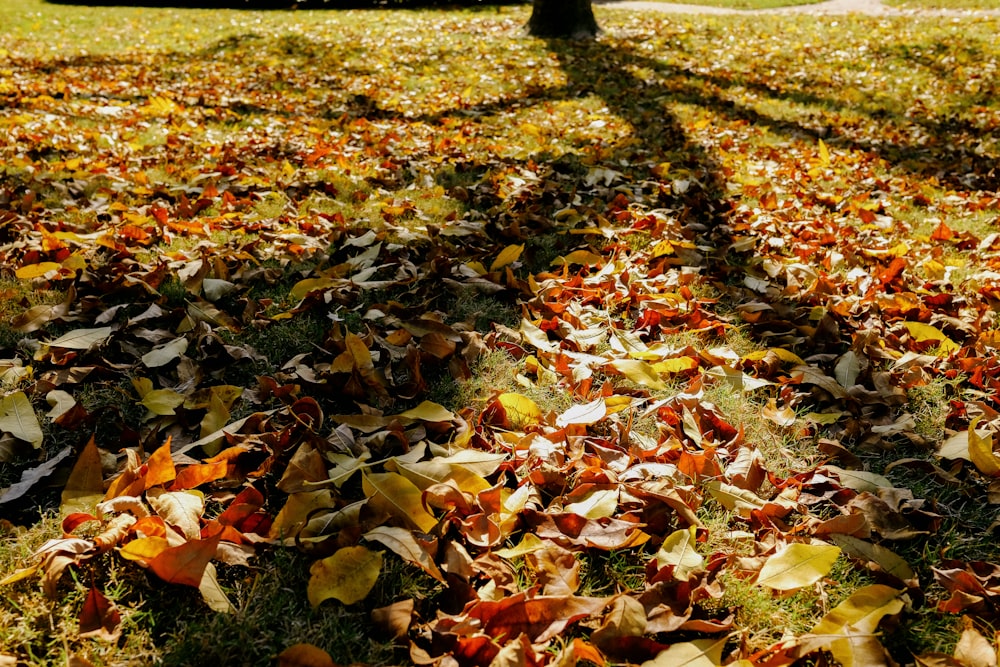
(395, 619)
(540, 618)
(973, 649)
(556, 569)
(99, 617)
(304, 655)
(572, 529)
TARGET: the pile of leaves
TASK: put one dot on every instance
(612, 219)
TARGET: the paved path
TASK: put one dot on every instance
(869, 7)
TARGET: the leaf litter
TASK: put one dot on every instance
(639, 203)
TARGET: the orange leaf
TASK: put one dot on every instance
(186, 563)
(149, 526)
(161, 466)
(196, 475)
(304, 655)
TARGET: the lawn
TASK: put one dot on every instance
(749, 4)
(391, 337)
(945, 4)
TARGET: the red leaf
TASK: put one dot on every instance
(99, 617)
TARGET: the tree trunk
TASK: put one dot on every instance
(573, 19)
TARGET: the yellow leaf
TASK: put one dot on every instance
(508, 255)
(530, 128)
(696, 653)
(875, 553)
(640, 372)
(399, 497)
(477, 267)
(798, 565)
(788, 356)
(85, 486)
(981, 451)
(824, 154)
(218, 413)
(617, 403)
(520, 410)
(679, 550)
(859, 614)
(437, 471)
(934, 269)
(18, 418)
(18, 575)
(36, 270)
(583, 257)
(597, 504)
(428, 412)
(162, 401)
(662, 248)
(304, 287)
(921, 332)
(901, 249)
(297, 509)
(825, 417)
(144, 549)
(348, 576)
(529, 544)
(676, 365)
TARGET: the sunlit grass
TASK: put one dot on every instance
(945, 4)
(747, 4)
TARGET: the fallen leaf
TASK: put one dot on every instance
(348, 576)
(696, 653)
(404, 544)
(399, 497)
(82, 339)
(85, 486)
(99, 617)
(185, 564)
(797, 565)
(304, 655)
(679, 550)
(18, 418)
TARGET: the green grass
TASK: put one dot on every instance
(167, 625)
(945, 4)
